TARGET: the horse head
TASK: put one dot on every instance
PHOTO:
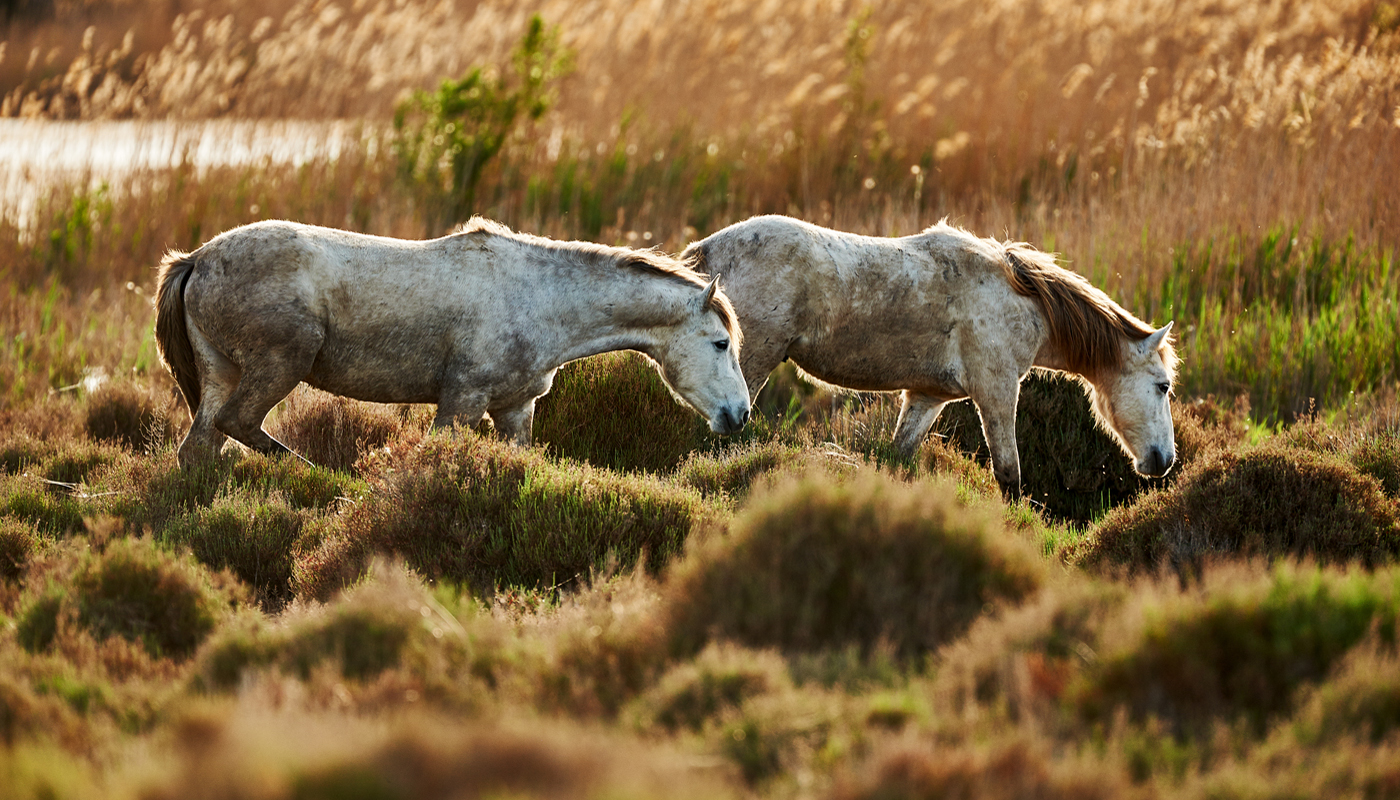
(699, 359)
(1135, 403)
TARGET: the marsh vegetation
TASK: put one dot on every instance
(635, 607)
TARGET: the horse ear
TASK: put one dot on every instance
(1154, 341)
(709, 292)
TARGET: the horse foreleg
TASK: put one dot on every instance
(917, 413)
(998, 412)
(761, 355)
(515, 423)
(460, 409)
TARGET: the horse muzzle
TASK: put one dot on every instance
(730, 419)
(1156, 463)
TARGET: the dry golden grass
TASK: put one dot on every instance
(1216, 161)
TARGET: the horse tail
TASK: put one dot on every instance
(172, 335)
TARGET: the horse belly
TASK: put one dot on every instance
(384, 358)
(884, 355)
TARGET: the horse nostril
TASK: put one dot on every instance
(744, 418)
(1157, 463)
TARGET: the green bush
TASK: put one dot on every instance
(731, 471)
(445, 140)
(1379, 457)
(54, 512)
(614, 411)
(254, 537)
(721, 677)
(1073, 466)
(153, 491)
(817, 564)
(478, 510)
(1272, 500)
(78, 461)
(1238, 652)
(1068, 462)
(1360, 700)
(19, 450)
(134, 590)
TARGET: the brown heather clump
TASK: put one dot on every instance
(123, 413)
(288, 754)
(1011, 769)
(721, 677)
(334, 432)
(1266, 501)
(815, 563)
(20, 541)
(478, 510)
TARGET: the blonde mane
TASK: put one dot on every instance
(650, 261)
(1086, 326)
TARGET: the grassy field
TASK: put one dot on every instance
(796, 611)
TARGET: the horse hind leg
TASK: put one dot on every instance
(265, 381)
(217, 378)
(917, 413)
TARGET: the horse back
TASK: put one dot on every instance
(870, 313)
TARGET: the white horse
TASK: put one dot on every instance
(477, 321)
(942, 315)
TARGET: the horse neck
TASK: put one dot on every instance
(620, 310)
(1049, 356)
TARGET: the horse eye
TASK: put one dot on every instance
(1164, 387)
(722, 345)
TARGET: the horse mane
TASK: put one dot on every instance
(1086, 326)
(649, 261)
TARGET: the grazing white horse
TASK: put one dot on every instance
(477, 321)
(941, 316)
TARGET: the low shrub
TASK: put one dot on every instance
(1006, 769)
(1068, 462)
(721, 677)
(1272, 500)
(19, 450)
(288, 755)
(125, 414)
(369, 630)
(52, 510)
(78, 461)
(478, 510)
(816, 564)
(1238, 651)
(613, 410)
(1360, 700)
(1379, 457)
(134, 590)
(151, 492)
(19, 542)
(334, 432)
(731, 471)
(254, 537)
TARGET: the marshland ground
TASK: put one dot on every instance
(633, 607)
